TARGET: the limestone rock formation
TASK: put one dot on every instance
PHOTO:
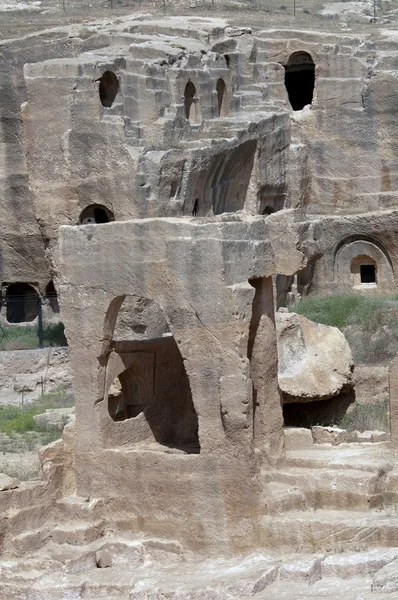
(315, 360)
(165, 172)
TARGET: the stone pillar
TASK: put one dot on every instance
(263, 356)
(393, 384)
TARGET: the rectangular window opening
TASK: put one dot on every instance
(368, 273)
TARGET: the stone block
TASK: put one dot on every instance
(306, 569)
(329, 435)
(386, 579)
(372, 436)
(103, 559)
(298, 438)
(315, 360)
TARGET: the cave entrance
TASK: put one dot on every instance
(108, 88)
(22, 303)
(326, 413)
(95, 214)
(300, 79)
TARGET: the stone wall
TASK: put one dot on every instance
(349, 243)
(212, 282)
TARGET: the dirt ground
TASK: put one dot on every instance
(21, 17)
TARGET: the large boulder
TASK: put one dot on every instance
(315, 361)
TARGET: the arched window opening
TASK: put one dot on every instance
(300, 79)
(364, 270)
(108, 88)
(221, 96)
(173, 189)
(22, 303)
(96, 214)
(51, 296)
(189, 95)
(192, 105)
(227, 59)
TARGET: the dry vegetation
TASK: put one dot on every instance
(19, 17)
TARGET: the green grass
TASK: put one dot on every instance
(19, 419)
(26, 337)
(341, 311)
(370, 324)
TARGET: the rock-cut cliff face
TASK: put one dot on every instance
(177, 118)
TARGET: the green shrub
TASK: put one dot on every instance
(54, 335)
(26, 337)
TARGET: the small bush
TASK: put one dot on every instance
(54, 335)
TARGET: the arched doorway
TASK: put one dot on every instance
(108, 88)
(221, 96)
(148, 397)
(192, 105)
(300, 79)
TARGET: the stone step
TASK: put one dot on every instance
(349, 565)
(282, 498)
(76, 533)
(318, 574)
(335, 489)
(328, 531)
(75, 508)
(344, 457)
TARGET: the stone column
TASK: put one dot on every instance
(393, 384)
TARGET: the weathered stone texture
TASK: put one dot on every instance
(219, 336)
(315, 360)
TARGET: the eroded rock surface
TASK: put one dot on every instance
(315, 360)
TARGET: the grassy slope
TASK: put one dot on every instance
(370, 324)
(14, 337)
